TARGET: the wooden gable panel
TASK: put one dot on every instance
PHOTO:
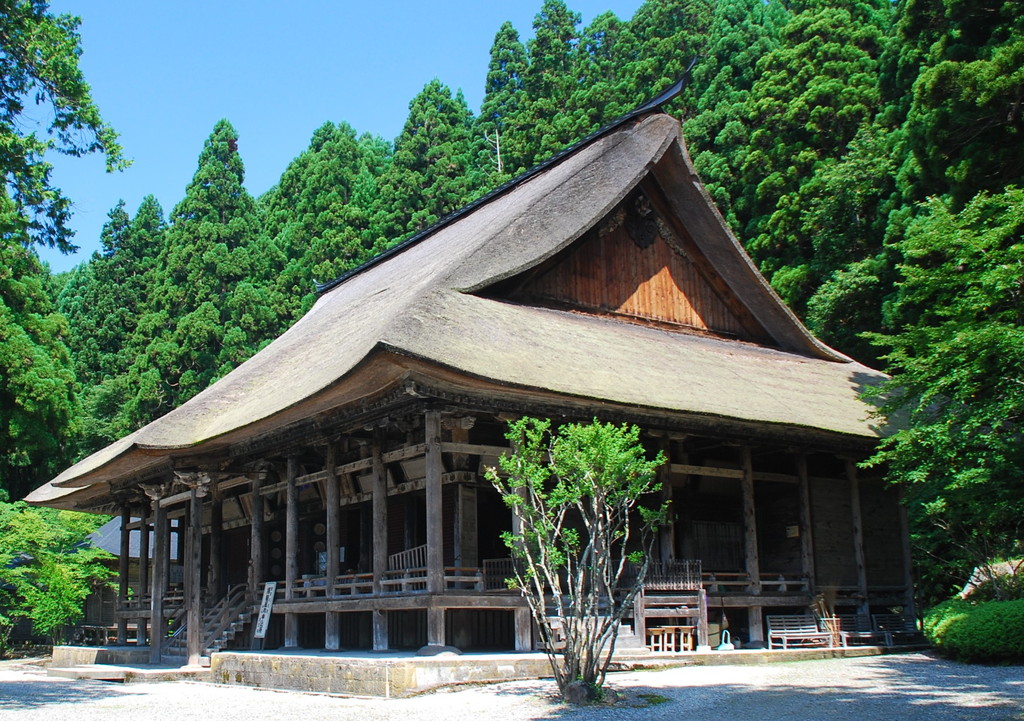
(636, 265)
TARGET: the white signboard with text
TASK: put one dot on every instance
(266, 604)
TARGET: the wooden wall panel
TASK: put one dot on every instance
(883, 547)
(608, 272)
(778, 508)
(831, 511)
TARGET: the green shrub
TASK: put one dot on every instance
(986, 632)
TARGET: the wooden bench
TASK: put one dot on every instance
(786, 631)
(854, 627)
(896, 626)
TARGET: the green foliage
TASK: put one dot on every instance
(741, 33)
(500, 122)
(578, 496)
(318, 216)
(39, 77)
(987, 632)
(957, 363)
(38, 405)
(47, 568)
(433, 170)
(812, 95)
(211, 298)
(965, 123)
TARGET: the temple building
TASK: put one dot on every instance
(343, 465)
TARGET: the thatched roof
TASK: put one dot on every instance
(427, 303)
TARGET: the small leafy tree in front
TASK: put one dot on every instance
(47, 566)
(576, 492)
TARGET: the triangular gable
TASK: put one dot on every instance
(638, 264)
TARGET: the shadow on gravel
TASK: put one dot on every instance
(26, 694)
(915, 688)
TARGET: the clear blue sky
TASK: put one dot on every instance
(163, 73)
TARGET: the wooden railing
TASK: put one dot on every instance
(173, 599)
(739, 581)
(496, 571)
(409, 559)
(665, 576)
(412, 580)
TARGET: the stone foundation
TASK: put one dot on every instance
(370, 675)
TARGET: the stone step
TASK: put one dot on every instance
(127, 674)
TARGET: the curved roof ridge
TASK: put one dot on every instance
(649, 106)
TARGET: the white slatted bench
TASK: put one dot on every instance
(786, 631)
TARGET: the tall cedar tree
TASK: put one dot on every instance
(318, 215)
(433, 171)
(601, 93)
(210, 307)
(104, 300)
(549, 81)
(813, 94)
(501, 123)
(741, 33)
(966, 118)
(668, 34)
(38, 405)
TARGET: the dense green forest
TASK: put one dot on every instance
(870, 156)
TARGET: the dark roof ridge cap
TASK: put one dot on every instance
(650, 106)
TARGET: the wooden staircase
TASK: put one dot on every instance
(673, 590)
(690, 605)
(222, 623)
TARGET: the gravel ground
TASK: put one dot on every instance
(911, 687)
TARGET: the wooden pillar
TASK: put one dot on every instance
(256, 537)
(332, 635)
(806, 523)
(467, 543)
(666, 532)
(122, 574)
(435, 626)
(523, 629)
(380, 541)
(194, 574)
(179, 540)
(141, 626)
(750, 552)
(858, 537)
(435, 529)
(161, 544)
(291, 552)
(215, 579)
(909, 605)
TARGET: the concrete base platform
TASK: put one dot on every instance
(392, 674)
(395, 674)
(67, 656)
(358, 673)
